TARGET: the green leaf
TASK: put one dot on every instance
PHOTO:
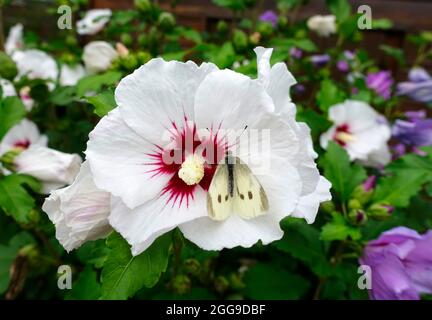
(63, 96)
(93, 252)
(398, 189)
(343, 175)
(86, 287)
(382, 24)
(407, 176)
(269, 282)
(340, 8)
(14, 198)
(396, 53)
(12, 111)
(103, 102)
(302, 241)
(329, 95)
(94, 83)
(338, 229)
(123, 275)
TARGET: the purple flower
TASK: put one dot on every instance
(299, 88)
(343, 65)
(419, 86)
(416, 131)
(381, 82)
(320, 60)
(350, 55)
(296, 53)
(401, 264)
(269, 16)
(369, 183)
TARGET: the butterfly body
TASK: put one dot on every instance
(235, 190)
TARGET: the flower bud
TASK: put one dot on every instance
(357, 217)
(181, 284)
(255, 38)
(166, 21)
(8, 68)
(143, 57)
(192, 266)
(143, 40)
(126, 38)
(236, 281)
(380, 211)
(266, 29)
(8, 159)
(354, 204)
(221, 284)
(282, 22)
(240, 40)
(222, 27)
(363, 193)
(327, 206)
(143, 5)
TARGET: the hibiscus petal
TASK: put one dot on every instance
(308, 205)
(144, 224)
(229, 100)
(159, 94)
(121, 161)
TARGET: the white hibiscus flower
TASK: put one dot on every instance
(79, 212)
(278, 82)
(8, 88)
(128, 149)
(70, 75)
(98, 56)
(22, 136)
(362, 131)
(324, 26)
(94, 21)
(14, 41)
(26, 98)
(53, 168)
(36, 64)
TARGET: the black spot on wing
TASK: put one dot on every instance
(219, 198)
(250, 195)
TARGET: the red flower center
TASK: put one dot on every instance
(23, 144)
(185, 141)
(344, 129)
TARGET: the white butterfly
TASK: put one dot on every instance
(235, 190)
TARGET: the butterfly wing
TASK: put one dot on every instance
(219, 201)
(250, 199)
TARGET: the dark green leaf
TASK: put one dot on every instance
(14, 198)
(12, 111)
(268, 282)
(123, 275)
(343, 175)
(103, 102)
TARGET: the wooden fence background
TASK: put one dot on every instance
(408, 16)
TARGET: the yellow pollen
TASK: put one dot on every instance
(192, 170)
(345, 137)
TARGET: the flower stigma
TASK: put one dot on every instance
(192, 170)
